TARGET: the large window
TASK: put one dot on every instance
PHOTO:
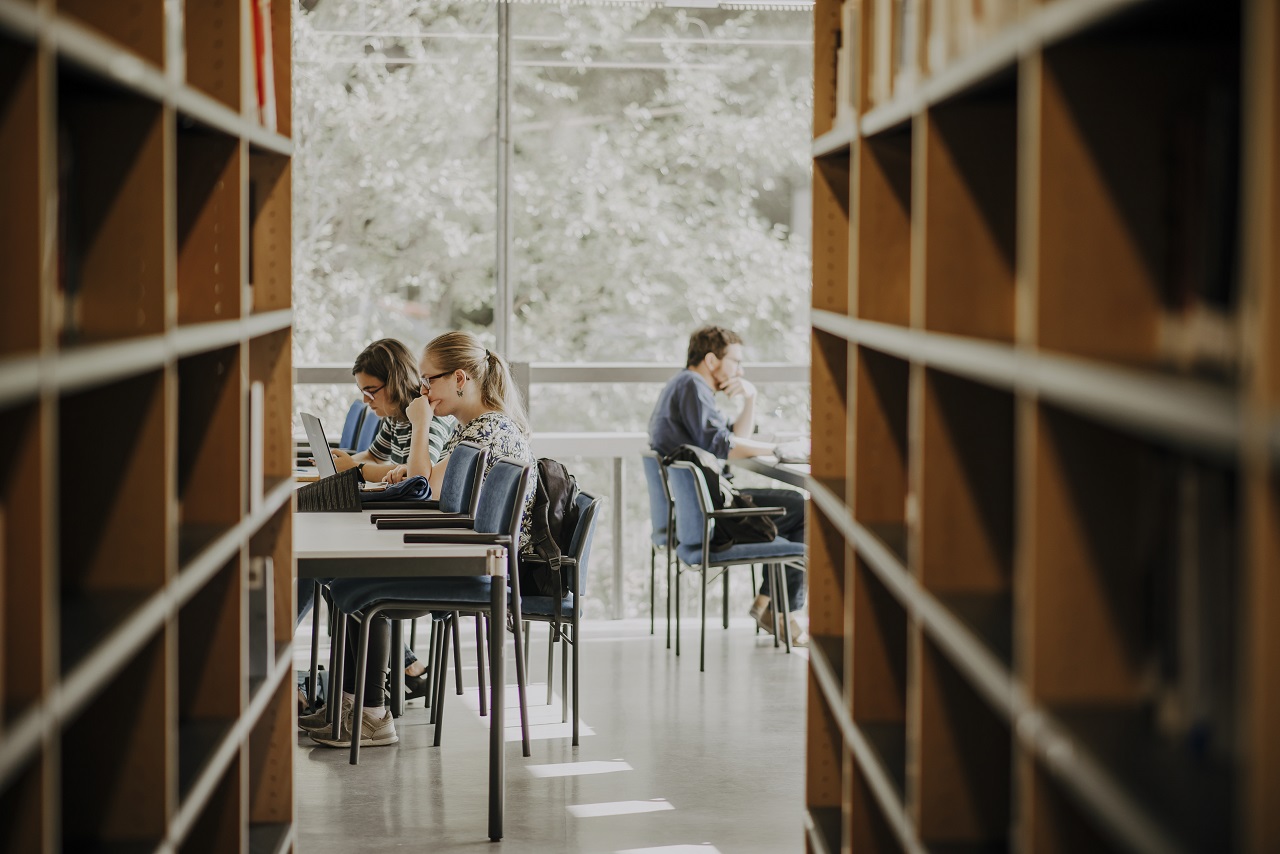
(658, 179)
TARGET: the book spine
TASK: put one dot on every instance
(266, 62)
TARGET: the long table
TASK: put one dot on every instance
(347, 545)
(792, 474)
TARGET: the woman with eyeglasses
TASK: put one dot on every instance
(387, 376)
(463, 379)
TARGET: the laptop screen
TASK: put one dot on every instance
(319, 445)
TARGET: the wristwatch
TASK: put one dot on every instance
(360, 471)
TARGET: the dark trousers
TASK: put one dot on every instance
(306, 597)
(790, 527)
(375, 680)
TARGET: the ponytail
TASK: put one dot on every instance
(463, 351)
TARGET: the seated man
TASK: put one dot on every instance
(686, 414)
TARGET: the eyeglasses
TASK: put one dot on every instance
(372, 392)
(426, 381)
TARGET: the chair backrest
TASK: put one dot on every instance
(368, 429)
(463, 477)
(502, 499)
(351, 426)
(692, 503)
(659, 495)
(585, 531)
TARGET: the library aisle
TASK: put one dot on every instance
(670, 760)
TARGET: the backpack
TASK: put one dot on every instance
(545, 571)
(727, 532)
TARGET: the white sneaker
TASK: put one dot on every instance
(373, 733)
(316, 721)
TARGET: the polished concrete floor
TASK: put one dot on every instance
(671, 760)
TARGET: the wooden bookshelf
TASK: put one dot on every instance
(129, 519)
(1046, 380)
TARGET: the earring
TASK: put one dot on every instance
(459, 391)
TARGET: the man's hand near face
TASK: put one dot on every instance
(739, 387)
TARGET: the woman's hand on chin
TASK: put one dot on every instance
(419, 411)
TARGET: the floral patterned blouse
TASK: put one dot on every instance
(503, 438)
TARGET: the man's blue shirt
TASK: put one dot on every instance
(686, 414)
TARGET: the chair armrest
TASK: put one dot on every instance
(425, 504)
(374, 517)
(458, 537)
(394, 524)
(406, 504)
(739, 512)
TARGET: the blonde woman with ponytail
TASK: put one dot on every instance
(464, 379)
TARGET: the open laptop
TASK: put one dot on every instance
(319, 445)
(324, 457)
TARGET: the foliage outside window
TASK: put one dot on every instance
(659, 181)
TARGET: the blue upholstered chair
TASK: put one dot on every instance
(459, 495)
(497, 521)
(660, 517)
(547, 609)
(357, 414)
(695, 524)
(456, 507)
(368, 429)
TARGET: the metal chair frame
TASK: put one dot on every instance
(708, 562)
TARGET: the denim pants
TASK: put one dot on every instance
(790, 527)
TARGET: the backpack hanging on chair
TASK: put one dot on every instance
(730, 531)
(545, 571)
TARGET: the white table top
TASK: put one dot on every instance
(792, 474)
(352, 535)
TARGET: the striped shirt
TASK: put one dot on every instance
(391, 443)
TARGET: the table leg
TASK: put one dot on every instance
(397, 668)
(497, 705)
(315, 643)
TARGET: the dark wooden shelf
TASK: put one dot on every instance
(1057, 485)
(193, 539)
(88, 618)
(893, 535)
(988, 616)
(268, 838)
(1186, 788)
(197, 742)
(822, 826)
(889, 741)
(122, 169)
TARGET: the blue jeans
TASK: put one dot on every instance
(790, 527)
